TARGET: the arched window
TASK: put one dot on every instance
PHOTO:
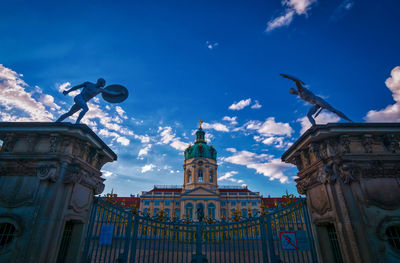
(211, 210)
(200, 176)
(189, 210)
(211, 175)
(189, 173)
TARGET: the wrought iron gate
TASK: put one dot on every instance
(115, 235)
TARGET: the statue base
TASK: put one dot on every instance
(49, 174)
(350, 174)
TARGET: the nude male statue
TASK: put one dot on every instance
(89, 90)
(318, 104)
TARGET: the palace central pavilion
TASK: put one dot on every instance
(200, 193)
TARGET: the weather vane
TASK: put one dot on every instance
(318, 104)
(111, 93)
(201, 122)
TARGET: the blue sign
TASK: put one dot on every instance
(106, 233)
(288, 241)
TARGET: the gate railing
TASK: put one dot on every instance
(115, 235)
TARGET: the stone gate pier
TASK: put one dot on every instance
(49, 174)
(350, 174)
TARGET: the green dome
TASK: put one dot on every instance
(200, 148)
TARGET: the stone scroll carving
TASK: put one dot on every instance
(47, 172)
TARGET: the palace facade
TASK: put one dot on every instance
(200, 195)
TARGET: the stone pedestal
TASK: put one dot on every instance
(350, 174)
(49, 174)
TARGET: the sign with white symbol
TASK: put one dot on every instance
(288, 240)
(106, 233)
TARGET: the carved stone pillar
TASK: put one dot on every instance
(350, 174)
(48, 178)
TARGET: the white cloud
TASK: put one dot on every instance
(216, 126)
(169, 137)
(211, 45)
(323, 118)
(63, 86)
(256, 105)
(106, 173)
(342, 9)
(17, 101)
(121, 112)
(147, 168)
(270, 127)
(232, 150)
(229, 176)
(143, 138)
(232, 120)
(264, 164)
(144, 151)
(280, 21)
(392, 112)
(292, 7)
(119, 138)
(48, 101)
(240, 105)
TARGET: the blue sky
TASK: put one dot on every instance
(186, 60)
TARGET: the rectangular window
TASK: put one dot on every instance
(157, 202)
(223, 203)
(167, 202)
(233, 203)
(244, 203)
(254, 203)
(146, 202)
(177, 203)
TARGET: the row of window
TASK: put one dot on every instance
(210, 210)
(177, 203)
(158, 202)
(243, 203)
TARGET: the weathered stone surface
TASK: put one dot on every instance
(49, 173)
(350, 174)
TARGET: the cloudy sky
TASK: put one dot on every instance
(186, 60)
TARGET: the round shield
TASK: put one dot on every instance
(121, 93)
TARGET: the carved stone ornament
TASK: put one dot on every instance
(54, 140)
(72, 174)
(47, 172)
(350, 173)
(345, 143)
(367, 142)
(9, 143)
(391, 142)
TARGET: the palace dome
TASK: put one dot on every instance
(200, 149)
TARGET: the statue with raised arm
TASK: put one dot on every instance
(112, 93)
(318, 104)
